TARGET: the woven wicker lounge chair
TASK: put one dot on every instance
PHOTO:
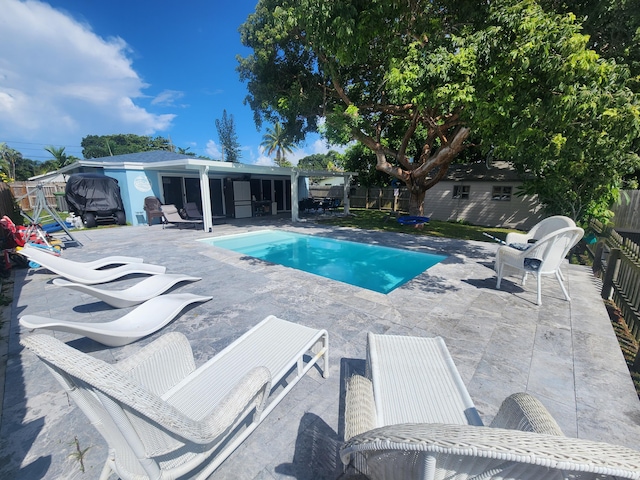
(542, 258)
(144, 320)
(142, 291)
(89, 273)
(161, 417)
(414, 381)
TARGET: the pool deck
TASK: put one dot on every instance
(564, 353)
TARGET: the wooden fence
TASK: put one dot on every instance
(25, 194)
(627, 213)
(617, 262)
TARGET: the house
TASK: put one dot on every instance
(220, 189)
(483, 194)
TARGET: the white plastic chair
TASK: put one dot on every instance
(541, 229)
(163, 418)
(144, 320)
(542, 258)
(142, 291)
(88, 273)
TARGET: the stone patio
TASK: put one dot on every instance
(564, 353)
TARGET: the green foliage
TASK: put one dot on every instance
(415, 81)
(228, 138)
(331, 161)
(97, 146)
(60, 158)
(8, 159)
(360, 159)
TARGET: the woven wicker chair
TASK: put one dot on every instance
(542, 258)
(523, 442)
(163, 418)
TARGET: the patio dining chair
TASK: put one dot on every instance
(163, 418)
(542, 258)
(152, 209)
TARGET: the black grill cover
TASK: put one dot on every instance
(92, 192)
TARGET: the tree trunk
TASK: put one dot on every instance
(416, 201)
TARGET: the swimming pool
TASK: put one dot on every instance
(381, 269)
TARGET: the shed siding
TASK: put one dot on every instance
(479, 209)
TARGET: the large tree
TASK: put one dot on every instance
(415, 80)
(228, 138)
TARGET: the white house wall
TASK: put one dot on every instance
(479, 209)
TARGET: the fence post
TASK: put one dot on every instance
(613, 265)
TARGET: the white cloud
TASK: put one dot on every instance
(167, 98)
(59, 81)
(212, 151)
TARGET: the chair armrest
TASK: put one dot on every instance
(161, 364)
(360, 410)
(478, 450)
(521, 411)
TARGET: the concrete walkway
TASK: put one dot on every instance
(564, 353)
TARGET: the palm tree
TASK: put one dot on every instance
(277, 140)
(8, 159)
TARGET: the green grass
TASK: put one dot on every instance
(380, 220)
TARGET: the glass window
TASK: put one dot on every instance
(501, 194)
(461, 192)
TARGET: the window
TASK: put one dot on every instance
(501, 194)
(461, 192)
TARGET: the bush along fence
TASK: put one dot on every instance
(617, 263)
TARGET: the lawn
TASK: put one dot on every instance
(381, 220)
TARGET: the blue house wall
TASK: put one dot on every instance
(135, 186)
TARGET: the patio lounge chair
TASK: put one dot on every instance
(89, 273)
(192, 211)
(162, 417)
(142, 291)
(144, 320)
(35, 253)
(152, 208)
(542, 258)
(411, 417)
(171, 215)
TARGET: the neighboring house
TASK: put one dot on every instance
(234, 190)
(482, 195)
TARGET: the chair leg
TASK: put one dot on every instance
(564, 290)
(499, 273)
(539, 278)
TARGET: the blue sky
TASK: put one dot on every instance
(71, 68)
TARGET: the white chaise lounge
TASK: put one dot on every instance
(142, 291)
(161, 417)
(412, 418)
(144, 320)
(89, 273)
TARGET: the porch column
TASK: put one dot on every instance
(205, 195)
(294, 195)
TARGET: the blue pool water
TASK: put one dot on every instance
(381, 269)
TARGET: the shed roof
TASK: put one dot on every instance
(480, 171)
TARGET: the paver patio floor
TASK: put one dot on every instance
(564, 353)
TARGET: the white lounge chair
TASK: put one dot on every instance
(540, 229)
(90, 275)
(407, 419)
(542, 258)
(144, 320)
(161, 417)
(140, 292)
(34, 253)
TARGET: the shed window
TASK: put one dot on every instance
(461, 192)
(501, 194)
